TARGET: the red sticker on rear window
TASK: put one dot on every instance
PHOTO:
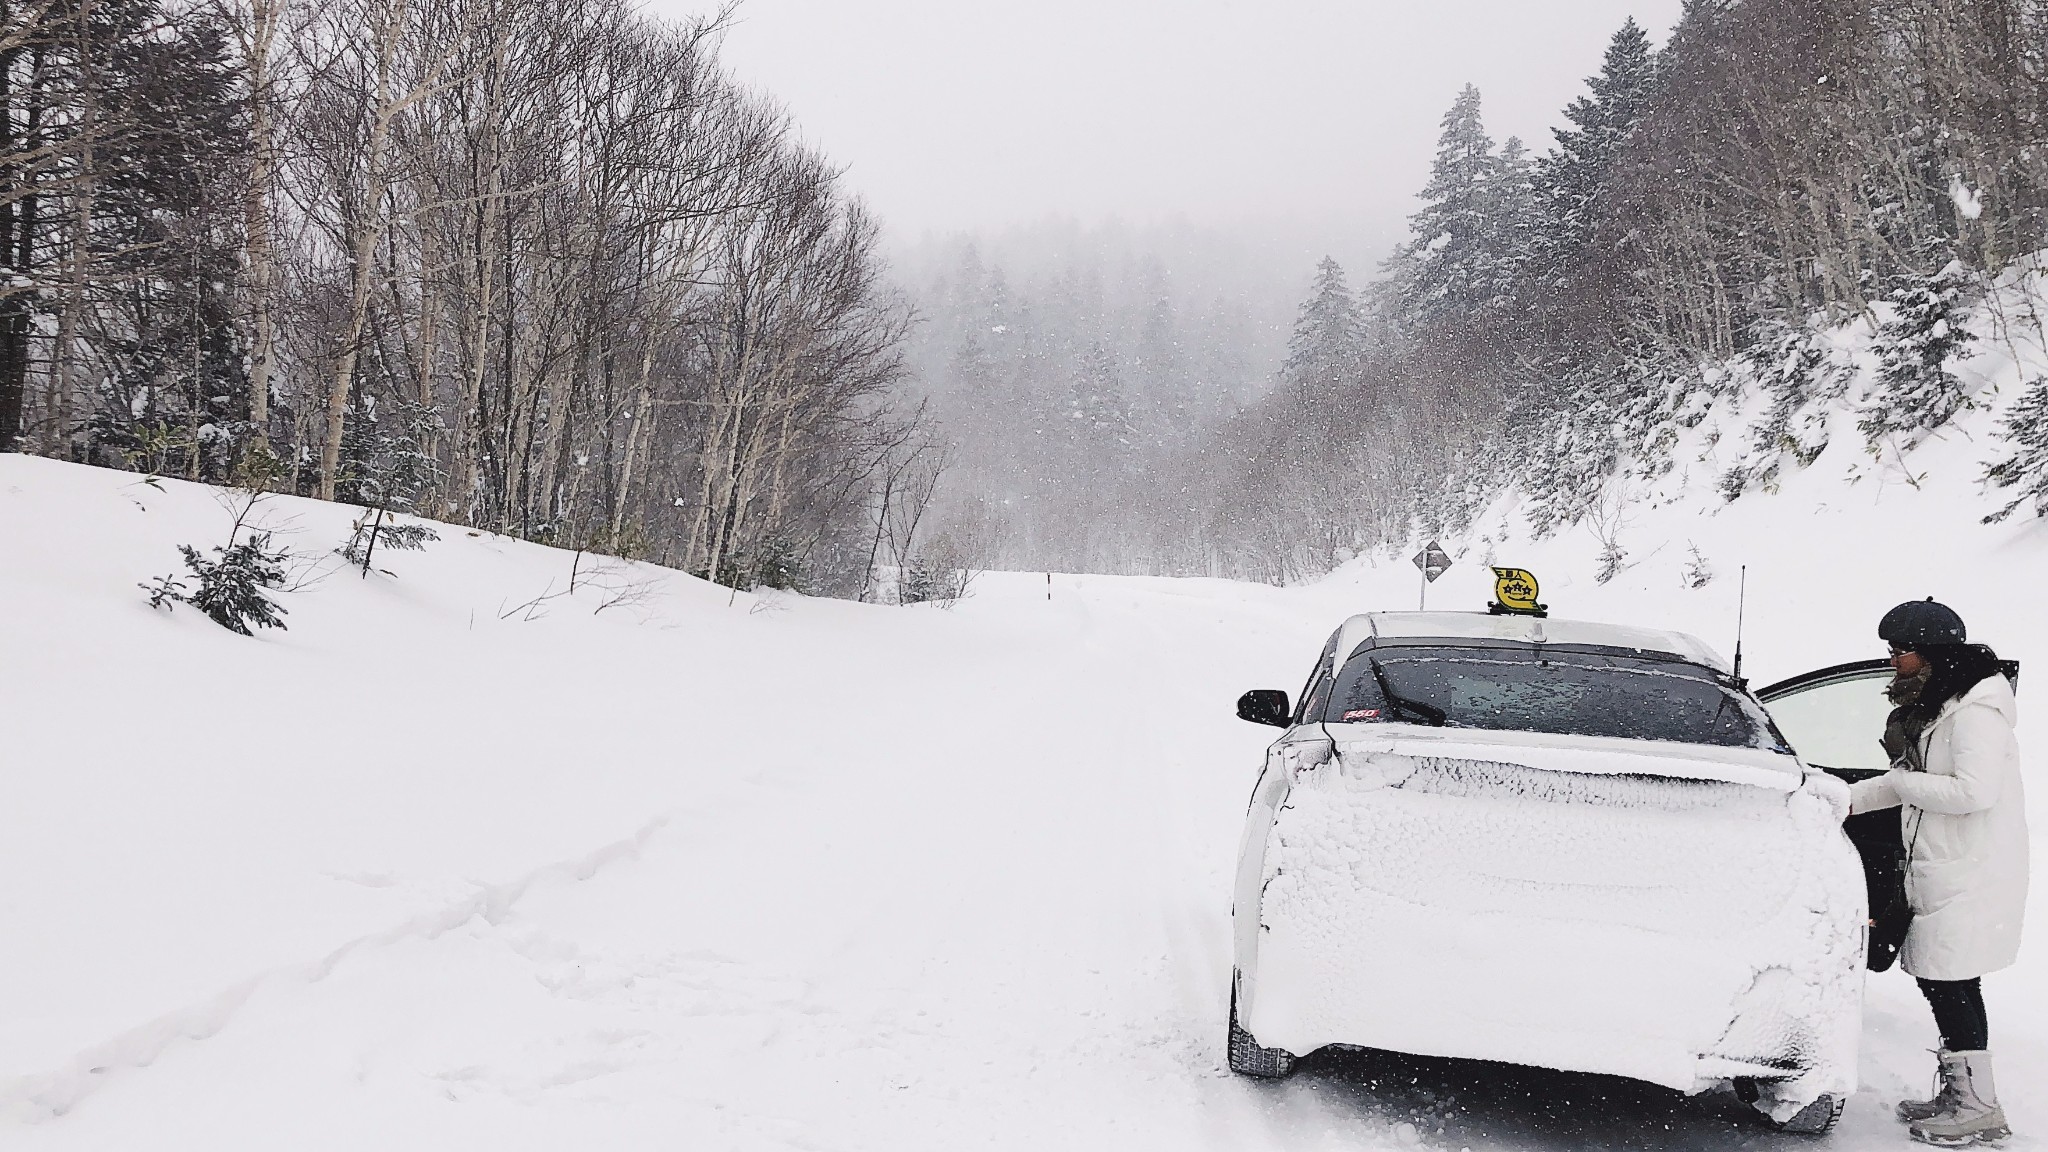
(1362, 714)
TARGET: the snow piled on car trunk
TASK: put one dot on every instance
(1677, 931)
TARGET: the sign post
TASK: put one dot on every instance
(1433, 560)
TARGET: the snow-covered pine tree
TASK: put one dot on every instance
(386, 458)
(1163, 414)
(1916, 393)
(1574, 448)
(1096, 461)
(2025, 427)
(1324, 352)
(1445, 276)
(1096, 400)
(1515, 219)
(1589, 404)
(1591, 418)
(972, 372)
(231, 585)
(1572, 178)
(1656, 381)
(1612, 416)
(388, 467)
(1802, 377)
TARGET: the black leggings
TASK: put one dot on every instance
(1959, 1013)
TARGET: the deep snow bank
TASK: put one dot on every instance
(463, 859)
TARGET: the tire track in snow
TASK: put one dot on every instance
(50, 1095)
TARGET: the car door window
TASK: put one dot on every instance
(1833, 718)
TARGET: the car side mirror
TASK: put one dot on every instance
(1264, 706)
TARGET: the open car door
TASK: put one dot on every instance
(1833, 717)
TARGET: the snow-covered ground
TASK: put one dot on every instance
(464, 861)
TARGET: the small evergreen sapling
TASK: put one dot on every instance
(1697, 573)
(231, 583)
(2026, 429)
(926, 580)
(1613, 559)
(916, 582)
(165, 591)
(1802, 377)
(1916, 392)
(387, 469)
(373, 531)
(231, 586)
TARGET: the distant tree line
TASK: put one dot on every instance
(1554, 321)
(537, 267)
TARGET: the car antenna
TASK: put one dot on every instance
(1741, 594)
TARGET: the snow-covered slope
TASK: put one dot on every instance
(432, 870)
(461, 860)
(1828, 547)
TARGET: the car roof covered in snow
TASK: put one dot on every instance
(1422, 627)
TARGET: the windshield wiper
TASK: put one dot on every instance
(1430, 713)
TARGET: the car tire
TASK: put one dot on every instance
(1247, 1058)
(1815, 1118)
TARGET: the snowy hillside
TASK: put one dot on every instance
(463, 859)
(1828, 546)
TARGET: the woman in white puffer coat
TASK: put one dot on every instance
(1955, 777)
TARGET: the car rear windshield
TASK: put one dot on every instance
(1532, 690)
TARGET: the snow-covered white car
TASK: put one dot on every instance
(1552, 843)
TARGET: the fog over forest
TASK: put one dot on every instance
(1079, 375)
(568, 273)
(1560, 311)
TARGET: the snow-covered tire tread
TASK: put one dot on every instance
(1815, 1118)
(1248, 1059)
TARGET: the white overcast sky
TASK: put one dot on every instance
(1296, 124)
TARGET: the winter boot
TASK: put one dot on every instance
(1974, 1116)
(1948, 1077)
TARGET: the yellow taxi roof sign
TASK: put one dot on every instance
(1515, 591)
